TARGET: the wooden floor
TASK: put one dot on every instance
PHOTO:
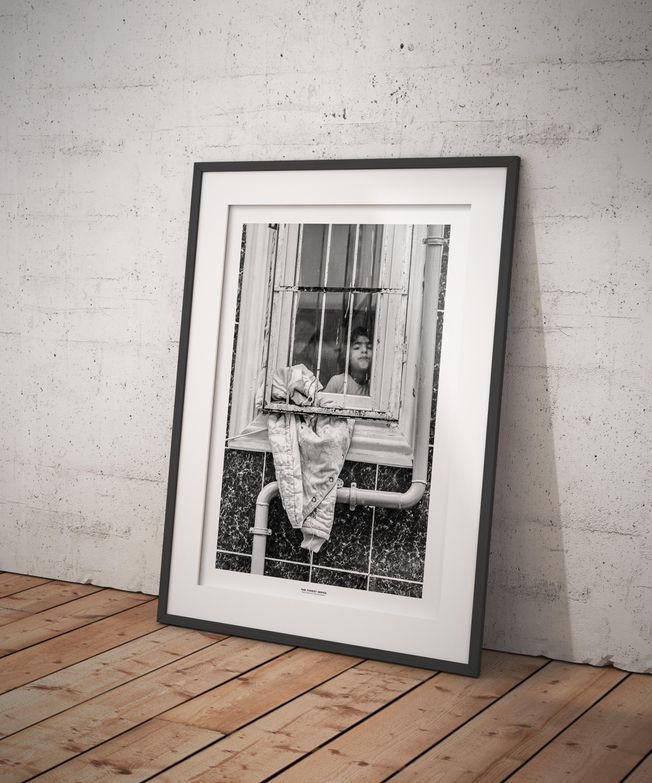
(93, 688)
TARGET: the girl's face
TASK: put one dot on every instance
(360, 356)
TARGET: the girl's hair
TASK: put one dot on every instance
(359, 331)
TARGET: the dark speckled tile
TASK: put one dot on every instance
(394, 479)
(284, 570)
(408, 589)
(443, 273)
(440, 329)
(241, 484)
(237, 314)
(435, 375)
(350, 539)
(270, 473)
(229, 562)
(400, 541)
(323, 576)
(284, 542)
(362, 473)
(348, 546)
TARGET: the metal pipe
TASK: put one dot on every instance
(372, 497)
(260, 531)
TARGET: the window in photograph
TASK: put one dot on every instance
(345, 302)
(336, 291)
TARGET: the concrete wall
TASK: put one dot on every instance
(106, 106)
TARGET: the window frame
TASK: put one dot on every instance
(380, 439)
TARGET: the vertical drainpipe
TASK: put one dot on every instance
(372, 497)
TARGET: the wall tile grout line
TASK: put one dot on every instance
(328, 568)
(371, 537)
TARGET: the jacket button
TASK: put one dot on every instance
(330, 479)
(314, 500)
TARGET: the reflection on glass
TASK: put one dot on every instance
(353, 252)
(354, 340)
(333, 330)
(317, 332)
(313, 254)
(342, 255)
(368, 266)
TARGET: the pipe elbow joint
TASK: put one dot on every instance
(413, 495)
(267, 493)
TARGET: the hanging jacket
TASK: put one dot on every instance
(309, 452)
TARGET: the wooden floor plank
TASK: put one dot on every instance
(57, 739)
(642, 773)
(55, 654)
(13, 583)
(53, 622)
(288, 733)
(42, 597)
(10, 615)
(389, 740)
(491, 746)
(135, 756)
(56, 692)
(124, 697)
(204, 719)
(604, 744)
(251, 695)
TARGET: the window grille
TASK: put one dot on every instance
(338, 305)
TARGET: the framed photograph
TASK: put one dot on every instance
(337, 404)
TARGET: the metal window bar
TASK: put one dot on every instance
(375, 299)
(268, 317)
(350, 309)
(338, 289)
(323, 299)
(377, 293)
(350, 412)
(295, 303)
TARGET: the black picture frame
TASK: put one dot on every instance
(213, 621)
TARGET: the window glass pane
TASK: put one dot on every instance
(354, 355)
(324, 350)
(307, 330)
(344, 270)
(334, 326)
(342, 252)
(312, 254)
(314, 346)
(369, 247)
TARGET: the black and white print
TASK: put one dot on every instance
(349, 304)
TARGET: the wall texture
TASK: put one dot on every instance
(106, 107)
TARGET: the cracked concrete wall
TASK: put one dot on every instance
(106, 107)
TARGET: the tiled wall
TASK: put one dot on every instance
(377, 549)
